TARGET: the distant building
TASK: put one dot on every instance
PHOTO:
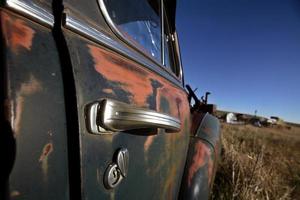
(231, 118)
(277, 120)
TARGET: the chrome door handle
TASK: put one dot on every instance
(108, 116)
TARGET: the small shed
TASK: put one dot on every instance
(231, 118)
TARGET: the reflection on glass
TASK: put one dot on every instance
(139, 22)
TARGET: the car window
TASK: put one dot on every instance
(139, 22)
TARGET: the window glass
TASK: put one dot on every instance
(139, 22)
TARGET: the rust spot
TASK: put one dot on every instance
(48, 148)
(16, 33)
(202, 156)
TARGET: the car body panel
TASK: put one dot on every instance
(156, 158)
(203, 154)
(35, 110)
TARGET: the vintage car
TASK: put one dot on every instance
(93, 104)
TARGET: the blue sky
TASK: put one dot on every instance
(245, 52)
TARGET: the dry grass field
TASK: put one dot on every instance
(258, 163)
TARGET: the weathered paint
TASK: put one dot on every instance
(16, 32)
(131, 80)
(202, 158)
(139, 83)
(206, 127)
(156, 158)
(34, 105)
(202, 155)
(199, 170)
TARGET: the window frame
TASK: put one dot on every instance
(170, 41)
(177, 73)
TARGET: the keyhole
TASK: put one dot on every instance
(115, 173)
(112, 177)
(115, 176)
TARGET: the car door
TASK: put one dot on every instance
(33, 139)
(125, 61)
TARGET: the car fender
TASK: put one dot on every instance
(203, 153)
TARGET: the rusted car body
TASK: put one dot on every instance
(64, 66)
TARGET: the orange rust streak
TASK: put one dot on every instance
(48, 148)
(16, 33)
(200, 158)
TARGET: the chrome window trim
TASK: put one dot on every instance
(178, 54)
(121, 35)
(31, 10)
(93, 33)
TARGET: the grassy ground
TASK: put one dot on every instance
(258, 163)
